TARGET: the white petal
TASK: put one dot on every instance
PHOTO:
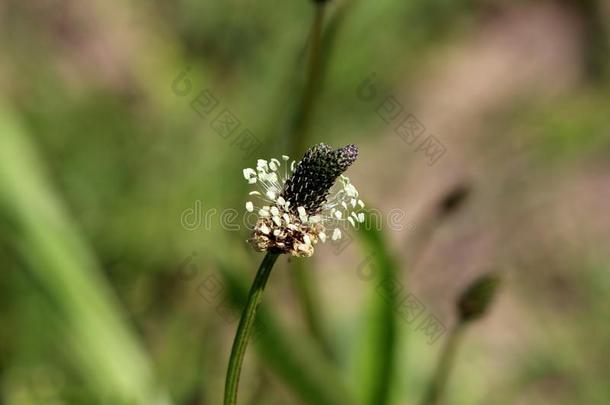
(261, 163)
(263, 213)
(276, 232)
(252, 180)
(322, 236)
(249, 173)
(301, 211)
(281, 201)
(286, 218)
(292, 165)
(271, 195)
(338, 214)
(265, 229)
(353, 202)
(275, 211)
(314, 219)
(351, 190)
(307, 240)
(351, 221)
(336, 234)
(254, 193)
(361, 203)
(277, 220)
(361, 217)
(249, 206)
(285, 157)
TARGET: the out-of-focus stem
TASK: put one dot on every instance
(443, 367)
(314, 68)
(301, 277)
(303, 283)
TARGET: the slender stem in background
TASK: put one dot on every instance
(314, 68)
(443, 367)
(303, 283)
(301, 278)
(245, 328)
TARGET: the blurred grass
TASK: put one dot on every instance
(377, 364)
(110, 357)
(91, 93)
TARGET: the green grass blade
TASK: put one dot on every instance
(59, 259)
(377, 361)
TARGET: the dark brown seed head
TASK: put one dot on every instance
(315, 174)
(477, 297)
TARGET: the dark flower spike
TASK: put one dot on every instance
(476, 298)
(315, 174)
(302, 199)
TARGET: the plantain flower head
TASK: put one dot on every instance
(301, 203)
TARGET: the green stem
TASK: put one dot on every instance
(245, 328)
(301, 275)
(303, 283)
(314, 69)
(443, 367)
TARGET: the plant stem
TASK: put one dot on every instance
(303, 282)
(314, 69)
(245, 328)
(443, 367)
(301, 276)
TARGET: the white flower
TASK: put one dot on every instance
(298, 201)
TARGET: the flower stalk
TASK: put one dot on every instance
(471, 305)
(314, 70)
(443, 367)
(246, 327)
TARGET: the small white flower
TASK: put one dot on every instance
(248, 173)
(293, 217)
(307, 239)
(314, 219)
(336, 234)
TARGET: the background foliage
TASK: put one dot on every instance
(107, 295)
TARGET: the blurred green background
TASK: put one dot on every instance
(123, 271)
